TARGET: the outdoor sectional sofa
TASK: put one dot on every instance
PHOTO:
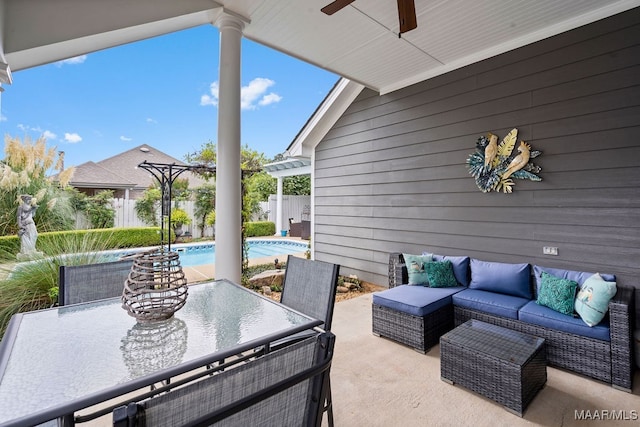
(505, 295)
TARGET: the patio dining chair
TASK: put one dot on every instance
(309, 287)
(90, 282)
(281, 387)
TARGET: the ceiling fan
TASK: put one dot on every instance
(406, 12)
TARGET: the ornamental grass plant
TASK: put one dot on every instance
(33, 285)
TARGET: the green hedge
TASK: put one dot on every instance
(259, 228)
(117, 238)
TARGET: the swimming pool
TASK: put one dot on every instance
(205, 253)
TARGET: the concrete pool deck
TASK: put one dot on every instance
(204, 272)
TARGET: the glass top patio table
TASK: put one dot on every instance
(56, 361)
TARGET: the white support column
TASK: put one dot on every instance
(279, 207)
(228, 174)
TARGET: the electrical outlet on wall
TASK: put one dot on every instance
(550, 250)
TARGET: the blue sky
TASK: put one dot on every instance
(161, 92)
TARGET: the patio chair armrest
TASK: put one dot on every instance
(397, 270)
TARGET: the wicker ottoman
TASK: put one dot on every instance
(506, 366)
(413, 315)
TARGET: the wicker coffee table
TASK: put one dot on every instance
(506, 366)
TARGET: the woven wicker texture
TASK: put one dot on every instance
(310, 288)
(586, 356)
(83, 283)
(504, 365)
(297, 405)
(156, 286)
(611, 362)
(418, 332)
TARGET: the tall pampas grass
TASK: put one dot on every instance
(24, 171)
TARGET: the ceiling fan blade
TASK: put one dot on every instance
(407, 15)
(335, 6)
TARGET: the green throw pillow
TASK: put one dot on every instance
(557, 294)
(440, 274)
(416, 268)
(593, 299)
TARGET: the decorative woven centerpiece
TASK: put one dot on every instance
(156, 287)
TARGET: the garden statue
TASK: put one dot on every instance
(26, 227)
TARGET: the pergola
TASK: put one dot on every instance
(290, 167)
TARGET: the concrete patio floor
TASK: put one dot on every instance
(377, 382)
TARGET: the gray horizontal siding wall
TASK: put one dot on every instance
(391, 174)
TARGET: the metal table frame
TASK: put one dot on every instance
(66, 410)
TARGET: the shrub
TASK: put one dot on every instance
(115, 237)
(259, 228)
(179, 216)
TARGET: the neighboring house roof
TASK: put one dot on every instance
(122, 171)
(92, 175)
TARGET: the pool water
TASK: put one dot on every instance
(205, 253)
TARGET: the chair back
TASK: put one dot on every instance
(90, 282)
(309, 287)
(282, 387)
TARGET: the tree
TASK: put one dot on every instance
(205, 204)
(148, 205)
(97, 208)
(24, 171)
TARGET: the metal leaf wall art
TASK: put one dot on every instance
(495, 165)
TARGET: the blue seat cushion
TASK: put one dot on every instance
(544, 316)
(490, 302)
(415, 300)
(460, 267)
(508, 279)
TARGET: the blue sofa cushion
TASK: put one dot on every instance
(460, 267)
(415, 300)
(508, 279)
(543, 316)
(577, 276)
(415, 268)
(490, 302)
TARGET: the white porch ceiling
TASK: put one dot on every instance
(360, 42)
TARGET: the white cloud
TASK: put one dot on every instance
(48, 135)
(251, 96)
(34, 129)
(3, 118)
(150, 120)
(253, 93)
(272, 98)
(72, 61)
(125, 138)
(213, 98)
(72, 137)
